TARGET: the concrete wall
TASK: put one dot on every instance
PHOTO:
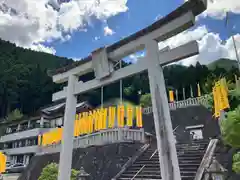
(101, 162)
(183, 117)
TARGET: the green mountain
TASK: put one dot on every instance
(24, 83)
(227, 64)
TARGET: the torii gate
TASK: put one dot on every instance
(101, 61)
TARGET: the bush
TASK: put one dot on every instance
(236, 163)
(50, 172)
(14, 115)
(230, 128)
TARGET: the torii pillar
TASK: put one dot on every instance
(162, 119)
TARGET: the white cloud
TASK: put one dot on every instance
(211, 46)
(28, 22)
(108, 31)
(96, 38)
(159, 16)
(42, 48)
(136, 56)
(217, 8)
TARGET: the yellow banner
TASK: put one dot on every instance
(220, 96)
(216, 102)
(111, 116)
(199, 90)
(139, 117)
(89, 122)
(129, 116)
(3, 160)
(171, 96)
(120, 115)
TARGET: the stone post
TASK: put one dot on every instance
(82, 175)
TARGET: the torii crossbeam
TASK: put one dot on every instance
(101, 62)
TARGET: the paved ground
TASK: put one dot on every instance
(10, 176)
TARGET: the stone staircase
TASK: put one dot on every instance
(147, 165)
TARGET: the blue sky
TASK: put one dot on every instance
(75, 28)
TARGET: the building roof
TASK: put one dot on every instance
(22, 120)
(196, 6)
(60, 107)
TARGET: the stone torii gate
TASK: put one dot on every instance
(101, 62)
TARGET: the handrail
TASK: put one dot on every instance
(206, 159)
(132, 160)
(144, 165)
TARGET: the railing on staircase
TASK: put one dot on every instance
(131, 160)
(144, 165)
(207, 158)
(103, 137)
(203, 100)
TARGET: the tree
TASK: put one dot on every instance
(14, 115)
(230, 128)
(50, 172)
(236, 163)
(146, 100)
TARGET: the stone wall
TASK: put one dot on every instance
(101, 162)
(183, 117)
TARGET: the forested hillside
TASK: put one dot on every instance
(25, 85)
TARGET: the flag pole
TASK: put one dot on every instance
(233, 39)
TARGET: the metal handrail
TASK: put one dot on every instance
(144, 165)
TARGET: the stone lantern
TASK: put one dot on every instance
(215, 171)
(82, 174)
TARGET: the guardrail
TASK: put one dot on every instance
(206, 159)
(100, 138)
(182, 104)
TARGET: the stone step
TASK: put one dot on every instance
(157, 161)
(155, 158)
(152, 176)
(138, 179)
(157, 164)
(157, 168)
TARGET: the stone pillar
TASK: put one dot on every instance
(29, 124)
(163, 126)
(41, 122)
(82, 175)
(67, 140)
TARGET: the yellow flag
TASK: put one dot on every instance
(94, 114)
(216, 102)
(120, 115)
(90, 122)
(104, 118)
(111, 116)
(139, 116)
(171, 96)
(129, 116)
(199, 90)
(224, 95)
(3, 160)
(100, 119)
